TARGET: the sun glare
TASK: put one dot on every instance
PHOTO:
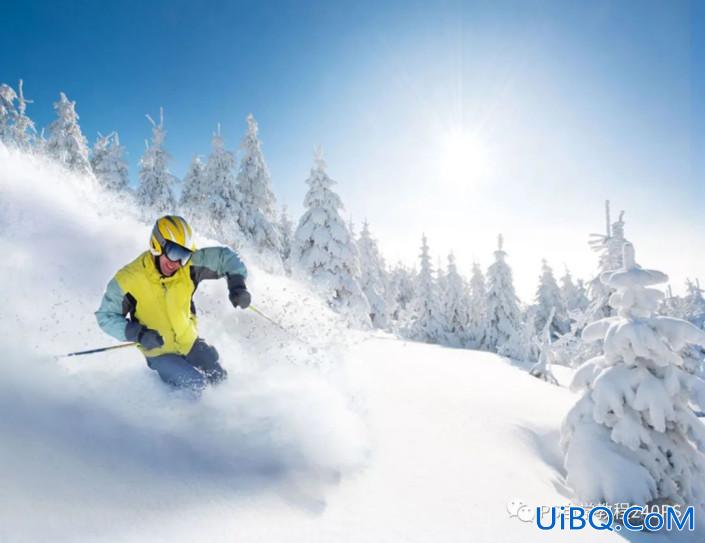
(465, 159)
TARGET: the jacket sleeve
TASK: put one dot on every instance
(216, 262)
(112, 311)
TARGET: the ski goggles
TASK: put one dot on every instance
(177, 253)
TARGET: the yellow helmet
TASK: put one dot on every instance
(171, 228)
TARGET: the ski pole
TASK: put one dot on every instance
(102, 349)
(261, 314)
(275, 323)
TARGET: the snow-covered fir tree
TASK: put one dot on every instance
(24, 131)
(219, 203)
(109, 165)
(565, 349)
(16, 128)
(286, 231)
(615, 244)
(40, 144)
(477, 317)
(400, 293)
(324, 249)
(694, 303)
(351, 227)
(373, 277)
(155, 194)
(692, 308)
(427, 315)
(544, 345)
(456, 306)
(549, 302)
(569, 349)
(8, 114)
(257, 214)
(66, 142)
(633, 436)
(582, 297)
(521, 345)
(672, 305)
(441, 283)
(573, 295)
(609, 248)
(503, 312)
(193, 192)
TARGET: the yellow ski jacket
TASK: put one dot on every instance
(164, 304)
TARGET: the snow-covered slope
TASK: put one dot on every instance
(344, 436)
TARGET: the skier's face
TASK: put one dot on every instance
(168, 267)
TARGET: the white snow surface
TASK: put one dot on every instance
(353, 436)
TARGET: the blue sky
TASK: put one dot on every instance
(559, 105)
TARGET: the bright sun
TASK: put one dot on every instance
(465, 159)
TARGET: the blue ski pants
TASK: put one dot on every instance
(197, 369)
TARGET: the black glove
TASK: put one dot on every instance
(241, 298)
(149, 339)
(239, 295)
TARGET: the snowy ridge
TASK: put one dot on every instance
(344, 436)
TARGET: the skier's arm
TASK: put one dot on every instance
(113, 308)
(216, 262)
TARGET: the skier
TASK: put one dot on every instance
(156, 290)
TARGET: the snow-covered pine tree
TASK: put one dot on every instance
(564, 349)
(615, 244)
(456, 306)
(609, 247)
(477, 318)
(544, 345)
(400, 294)
(694, 303)
(257, 214)
(8, 114)
(66, 142)
(221, 204)
(441, 287)
(582, 294)
(503, 313)
(351, 227)
(108, 163)
(155, 194)
(440, 279)
(286, 230)
(549, 302)
(373, 277)
(692, 309)
(573, 296)
(193, 193)
(521, 345)
(427, 317)
(40, 144)
(324, 250)
(633, 436)
(24, 131)
(16, 128)
(672, 304)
